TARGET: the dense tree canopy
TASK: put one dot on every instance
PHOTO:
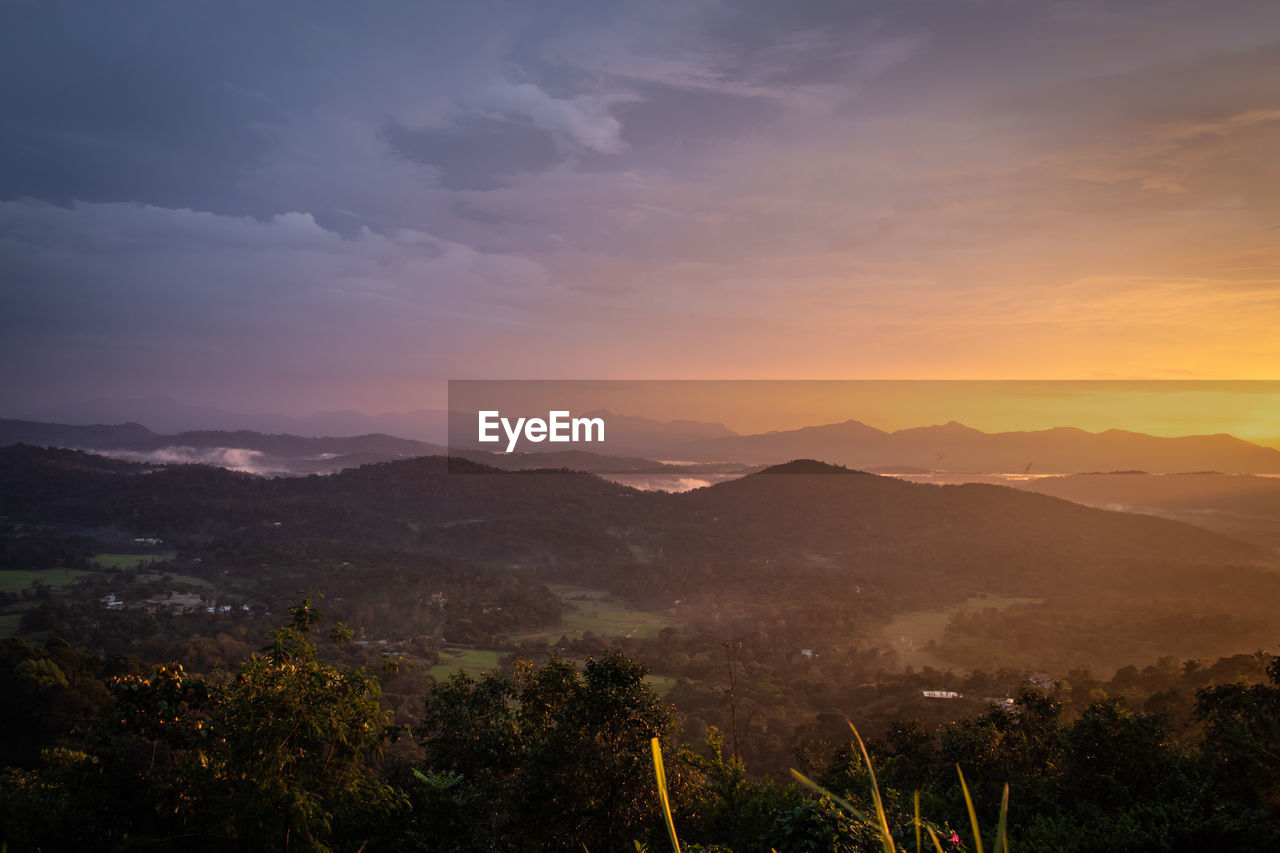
(562, 752)
(272, 757)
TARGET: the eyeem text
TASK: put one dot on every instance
(558, 427)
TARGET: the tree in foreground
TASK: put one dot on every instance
(274, 757)
(548, 758)
(1242, 738)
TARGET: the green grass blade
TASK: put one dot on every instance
(917, 821)
(886, 839)
(973, 815)
(661, 776)
(1002, 838)
(836, 798)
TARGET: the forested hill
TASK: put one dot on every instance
(136, 437)
(804, 525)
(411, 504)
(880, 525)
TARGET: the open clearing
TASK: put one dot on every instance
(597, 611)
(16, 580)
(128, 561)
(661, 684)
(909, 633)
(585, 609)
(474, 661)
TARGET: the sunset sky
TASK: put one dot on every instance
(296, 206)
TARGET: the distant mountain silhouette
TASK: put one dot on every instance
(261, 453)
(167, 415)
(158, 412)
(805, 466)
(127, 435)
(244, 450)
(643, 445)
(847, 443)
(957, 448)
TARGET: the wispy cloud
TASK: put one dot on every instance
(1220, 127)
(582, 120)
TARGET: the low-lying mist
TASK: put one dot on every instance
(239, 459)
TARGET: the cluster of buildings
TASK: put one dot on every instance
(183, 601)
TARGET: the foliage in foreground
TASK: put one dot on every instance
(284, 753)
(548, 758)
(834, 824)
(273, 757)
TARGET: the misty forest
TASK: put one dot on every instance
(418, 652)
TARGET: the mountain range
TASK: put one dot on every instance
(811, 528)
(684, 448)
(957, 448)
(167, 415)
(241, 450)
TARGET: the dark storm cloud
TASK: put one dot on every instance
(263, 108)
(206, 194)
(152, 102)
(180, 104)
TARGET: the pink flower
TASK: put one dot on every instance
(954, 839)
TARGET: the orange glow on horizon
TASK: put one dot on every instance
(1246, 410)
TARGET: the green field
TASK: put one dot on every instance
(661, 684)
(585, 610)
(909, 633)
(596, 610)
(128, 561)
(16, 580)
(474, 661)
